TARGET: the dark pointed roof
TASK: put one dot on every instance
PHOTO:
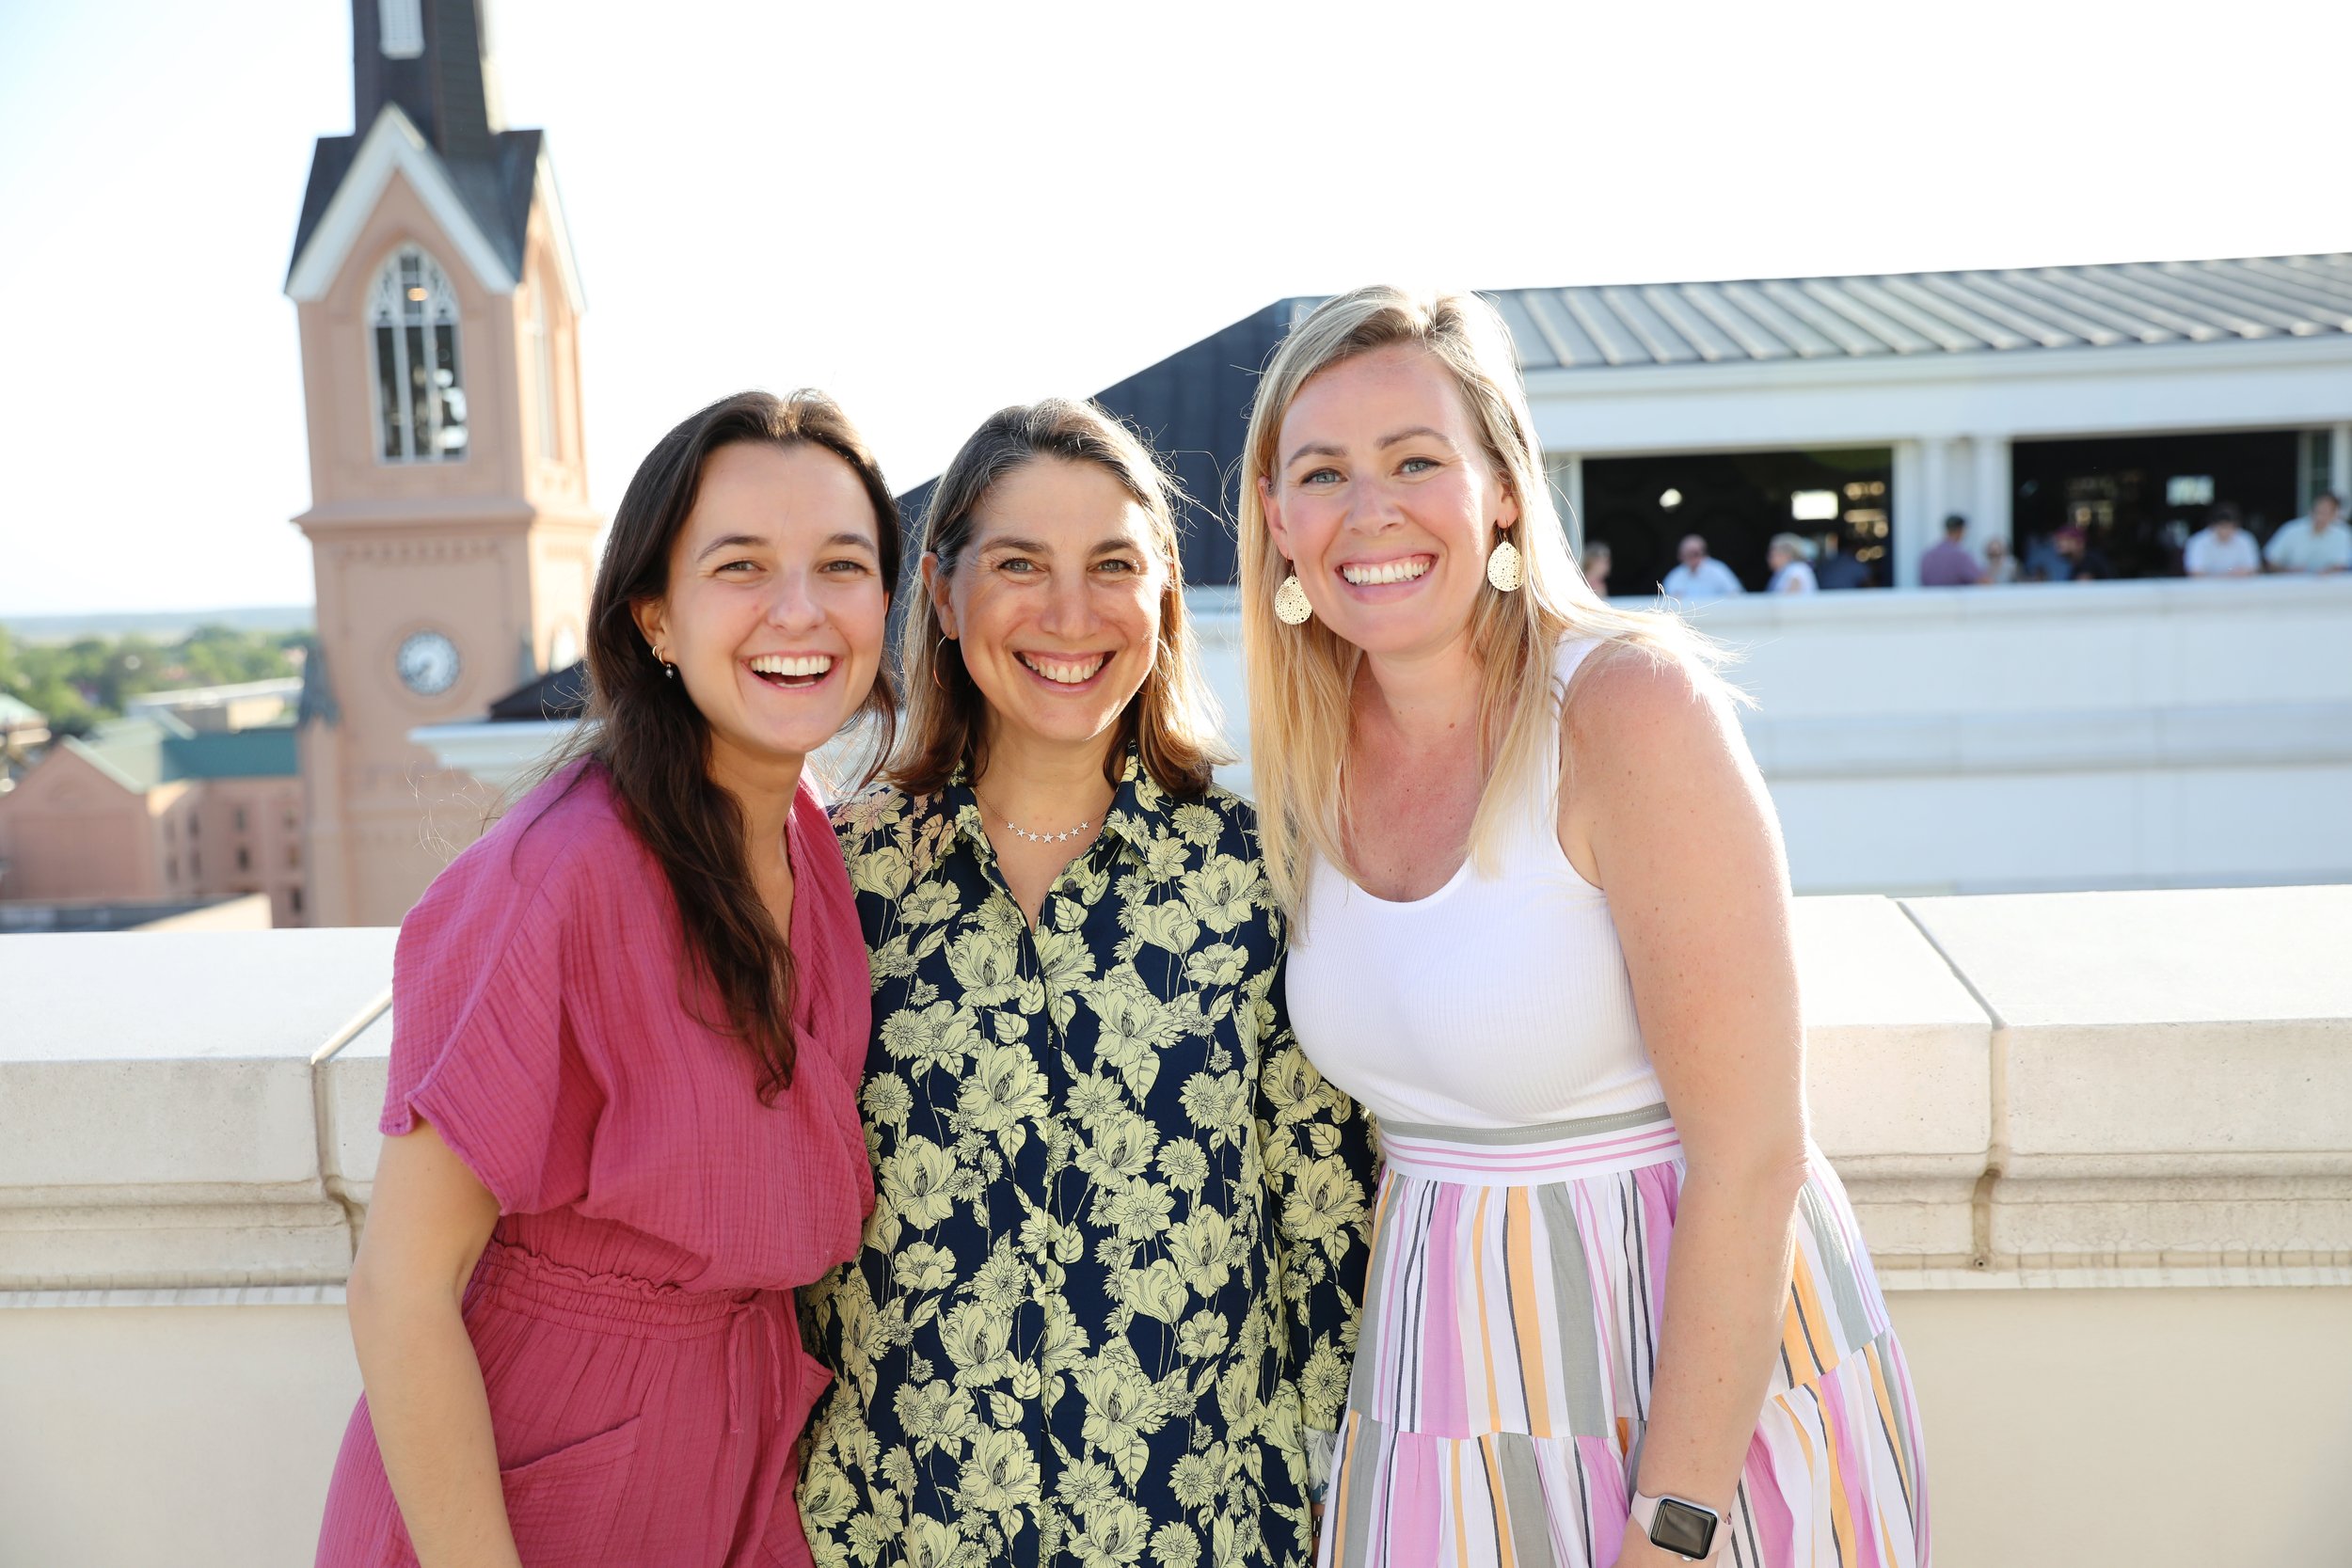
(558, 694)
(444, 91)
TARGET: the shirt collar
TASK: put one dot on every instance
(1137, 809)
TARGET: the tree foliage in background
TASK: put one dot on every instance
(79, 683)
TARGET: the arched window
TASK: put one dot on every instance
(420, 396)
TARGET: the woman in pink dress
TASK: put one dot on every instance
(629, 1026)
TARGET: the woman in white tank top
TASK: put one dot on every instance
(1619, 1311)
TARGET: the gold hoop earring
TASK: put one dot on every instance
(938, 656)
(1290, 603)
(1505, 568)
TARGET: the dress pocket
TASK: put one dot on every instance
(565, 1506)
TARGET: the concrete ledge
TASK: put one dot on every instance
(159, 1121)
(2020, 1091)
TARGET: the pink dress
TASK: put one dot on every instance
(634, 1310)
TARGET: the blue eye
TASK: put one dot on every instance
(1413, 464)
(1319, 475)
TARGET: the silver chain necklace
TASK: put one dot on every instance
(1020, 831)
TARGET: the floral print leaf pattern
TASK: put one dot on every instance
(1107, 1299)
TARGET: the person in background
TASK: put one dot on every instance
(2065, 555)
(2222, 548)
(1834, 569)
(2321, 542)
(1700, 577)
(1999, 565)
(1792, 572)
(1950, 564)
(1595, 564)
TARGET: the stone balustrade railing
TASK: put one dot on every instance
(2058, 1094)
(2045, 1089)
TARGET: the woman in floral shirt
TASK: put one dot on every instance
(1107, 1299)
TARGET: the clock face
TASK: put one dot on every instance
(427, 663)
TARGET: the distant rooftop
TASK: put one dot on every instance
(140, 753)
(286, 686)
(2118, 307)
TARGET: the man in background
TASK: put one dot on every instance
(2222, 548)
(1950, 564)
(2319, 542)
(1595, 564)
(1700, 577)
(1835, 568)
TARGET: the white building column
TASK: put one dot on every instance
(1913, 517)
(1989, 516)
(1568, 480)
(2340, 460)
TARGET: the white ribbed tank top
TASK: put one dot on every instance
(1495, 1002)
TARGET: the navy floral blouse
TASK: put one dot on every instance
(1107, 1302)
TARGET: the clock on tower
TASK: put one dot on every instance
(449, 523)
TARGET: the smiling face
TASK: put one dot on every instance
(775, 604)
(1385, 502)
(1053, 602)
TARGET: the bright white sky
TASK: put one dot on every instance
(934, 210)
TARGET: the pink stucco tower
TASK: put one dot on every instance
(449, 521)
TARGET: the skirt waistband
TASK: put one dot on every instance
(1532, 1156)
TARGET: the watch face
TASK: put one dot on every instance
(427, 663)
(1681, 1529)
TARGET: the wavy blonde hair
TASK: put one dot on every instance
(1301, 678)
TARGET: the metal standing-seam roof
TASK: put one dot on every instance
(1929, 313)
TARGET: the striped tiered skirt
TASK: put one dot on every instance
(1510, 1335)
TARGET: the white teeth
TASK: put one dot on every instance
(804, 664)
(1387, 571)
(1064, 671)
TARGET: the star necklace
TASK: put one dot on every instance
(1020, 831)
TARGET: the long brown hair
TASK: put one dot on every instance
(653, 744)
(1172, 721)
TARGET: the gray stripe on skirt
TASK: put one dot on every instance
(1540, 1133)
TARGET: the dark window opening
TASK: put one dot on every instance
(1641, 508)
(2137, 498)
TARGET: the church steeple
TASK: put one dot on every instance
(451, 535)
(429, 60)
(430, 57)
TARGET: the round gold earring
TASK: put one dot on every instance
(1290, 603)
(1504, 567)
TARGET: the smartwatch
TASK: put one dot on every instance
(1684, 1529)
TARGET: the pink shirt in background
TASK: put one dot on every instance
(1948, 565)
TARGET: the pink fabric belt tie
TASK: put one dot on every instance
(739, 1320)
(522, 1281)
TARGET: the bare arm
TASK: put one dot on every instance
(1667, 804)
(427, 1226)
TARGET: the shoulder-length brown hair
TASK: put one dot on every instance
(653, 744)
(1172, 721)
